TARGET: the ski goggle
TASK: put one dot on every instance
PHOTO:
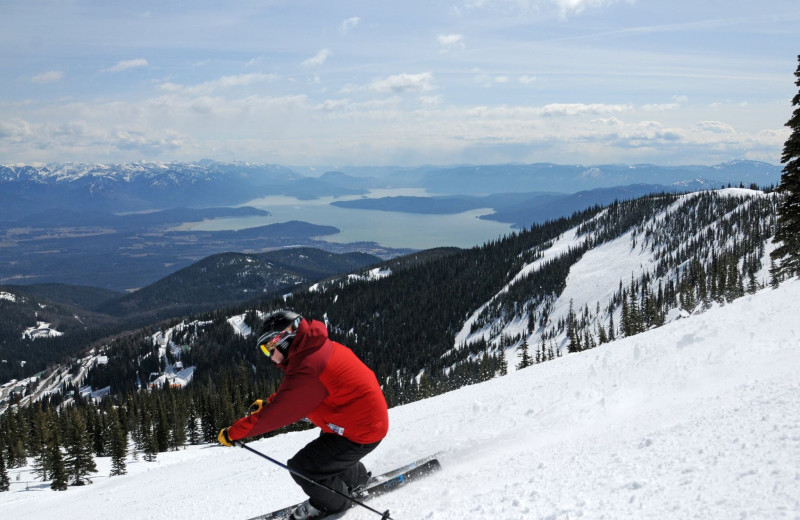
(270, 340)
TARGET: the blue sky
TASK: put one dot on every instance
(397, 83)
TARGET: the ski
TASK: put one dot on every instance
(385, 484)
(377, 485)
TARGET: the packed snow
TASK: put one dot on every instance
(697, 419)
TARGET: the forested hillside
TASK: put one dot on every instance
(79, 316)
(443, 319)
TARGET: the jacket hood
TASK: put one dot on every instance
(311, 335)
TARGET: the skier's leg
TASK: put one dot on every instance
(333, 461)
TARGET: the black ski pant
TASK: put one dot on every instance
(335, 462)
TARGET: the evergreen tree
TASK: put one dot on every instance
(161, 427)
(191, 424)
(80, 460)
(118, 446)
(4, 480)
(611, 333)
(150, 447)
(601, 334)
(524, 356)
(59, 471)
(572, 330)
(625, 322)
(425, 389)
(501, 360)
(787, 235)
(44, 432)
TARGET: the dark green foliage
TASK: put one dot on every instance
(525, 359)
(59, 474)
(80, 460)
(787, 235)
(118, 444)
(4, 480)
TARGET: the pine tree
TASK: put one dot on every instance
(572, 330)
(625, 322)
(191, 424)
(118, 446)
(611, 333)
(524, 356)
(787, 234)
(601, 334)
(80, 460)
(59, 472)
(4, 480)
(501, 360)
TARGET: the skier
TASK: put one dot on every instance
(325, 382)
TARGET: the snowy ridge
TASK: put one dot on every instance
(696, 419)
(593, 284)
(128, 172)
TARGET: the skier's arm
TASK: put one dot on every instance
(299, 394)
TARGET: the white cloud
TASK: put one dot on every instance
(564, 7)
(527, 80)
(450, 41)
(399, 83)
(574, 109)
(660, 107)
(320, 58)
(577, 6)
(716, 127)
(349, 24)
(223, 83)
(127, 65)
(430, 101)
(15, 130)
(254, 61)
(190, 121)
(50, 76)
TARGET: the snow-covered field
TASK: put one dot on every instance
(697, 419)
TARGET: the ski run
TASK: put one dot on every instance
(696, 419)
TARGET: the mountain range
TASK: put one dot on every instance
(122, 227)
(117, 188)
(562, 286)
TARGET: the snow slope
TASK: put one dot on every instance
(697, 419)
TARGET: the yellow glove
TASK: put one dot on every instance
(257, 405)
(224, 439)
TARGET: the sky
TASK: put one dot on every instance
(359, 83)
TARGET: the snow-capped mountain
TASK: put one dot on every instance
(155, 172)
(663, 266)
(134, 187)
(696, 419)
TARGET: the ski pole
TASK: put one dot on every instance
(384, 515)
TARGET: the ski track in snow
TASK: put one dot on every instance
(697, 419)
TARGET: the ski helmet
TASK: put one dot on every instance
(278, 331)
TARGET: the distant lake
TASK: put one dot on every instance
(389, 229)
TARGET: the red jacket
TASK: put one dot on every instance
(327, 383)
